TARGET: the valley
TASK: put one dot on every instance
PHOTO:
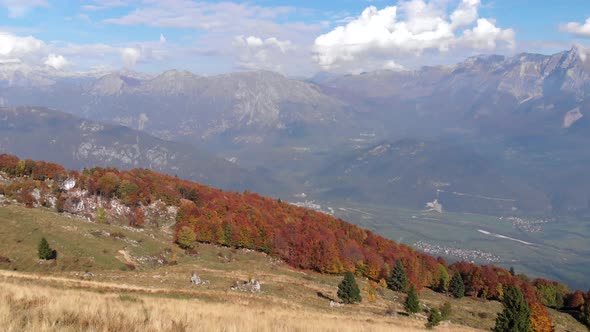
(557, 251)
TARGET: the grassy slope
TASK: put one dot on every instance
(287, 293)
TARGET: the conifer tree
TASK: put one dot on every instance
(398, 280)
(348, 290)
(412, 303)
(434, 318)
(45, 251)
(457, 287)
(516, 315)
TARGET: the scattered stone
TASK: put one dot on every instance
(252, 286)
(88, 275)
(334, 304)
(195, 279)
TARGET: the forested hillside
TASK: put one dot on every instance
(302, 238)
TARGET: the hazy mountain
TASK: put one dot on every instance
(412, 173)
(521, 118)
(527, 93)
(78, 143)
(241, 107)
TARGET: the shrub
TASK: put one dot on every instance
(186, 238)
(446, 310)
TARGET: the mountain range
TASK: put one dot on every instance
(79, 143)
(491, 126)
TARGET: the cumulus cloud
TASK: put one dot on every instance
(15, 47)
(576, 29)
(57, 62)
(17, 8)
(130, 56)
(410, 28)
(257, 53)
(272, 42)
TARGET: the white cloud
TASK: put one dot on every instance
(576, 29)
(465, 14)
(409, 29)
(104, 4)
(226, 16)
(15, 47)
(272, 42)
(485, 35)
(130, 56)
(57, 62)
(18, 8)
(257, 53)
(392, 65)
(218, 24)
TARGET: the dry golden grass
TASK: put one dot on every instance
(28, 306)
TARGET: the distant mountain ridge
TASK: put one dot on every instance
(79, 143)
(181, 105)
(522, 112)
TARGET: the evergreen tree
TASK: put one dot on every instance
(434, 318)
(457, 287)
(348, 290)
(398, 280)
(45, 251)
(516, 316)
(412, 303)
(512, 272)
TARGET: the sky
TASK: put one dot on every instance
(296, 38)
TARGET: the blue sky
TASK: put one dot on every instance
(293, 37)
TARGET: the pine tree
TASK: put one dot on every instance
(45, 251)
(412, 303)
(398, 280)
(434, 318)
(516, 315)
(457, 287)
(348, 290)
